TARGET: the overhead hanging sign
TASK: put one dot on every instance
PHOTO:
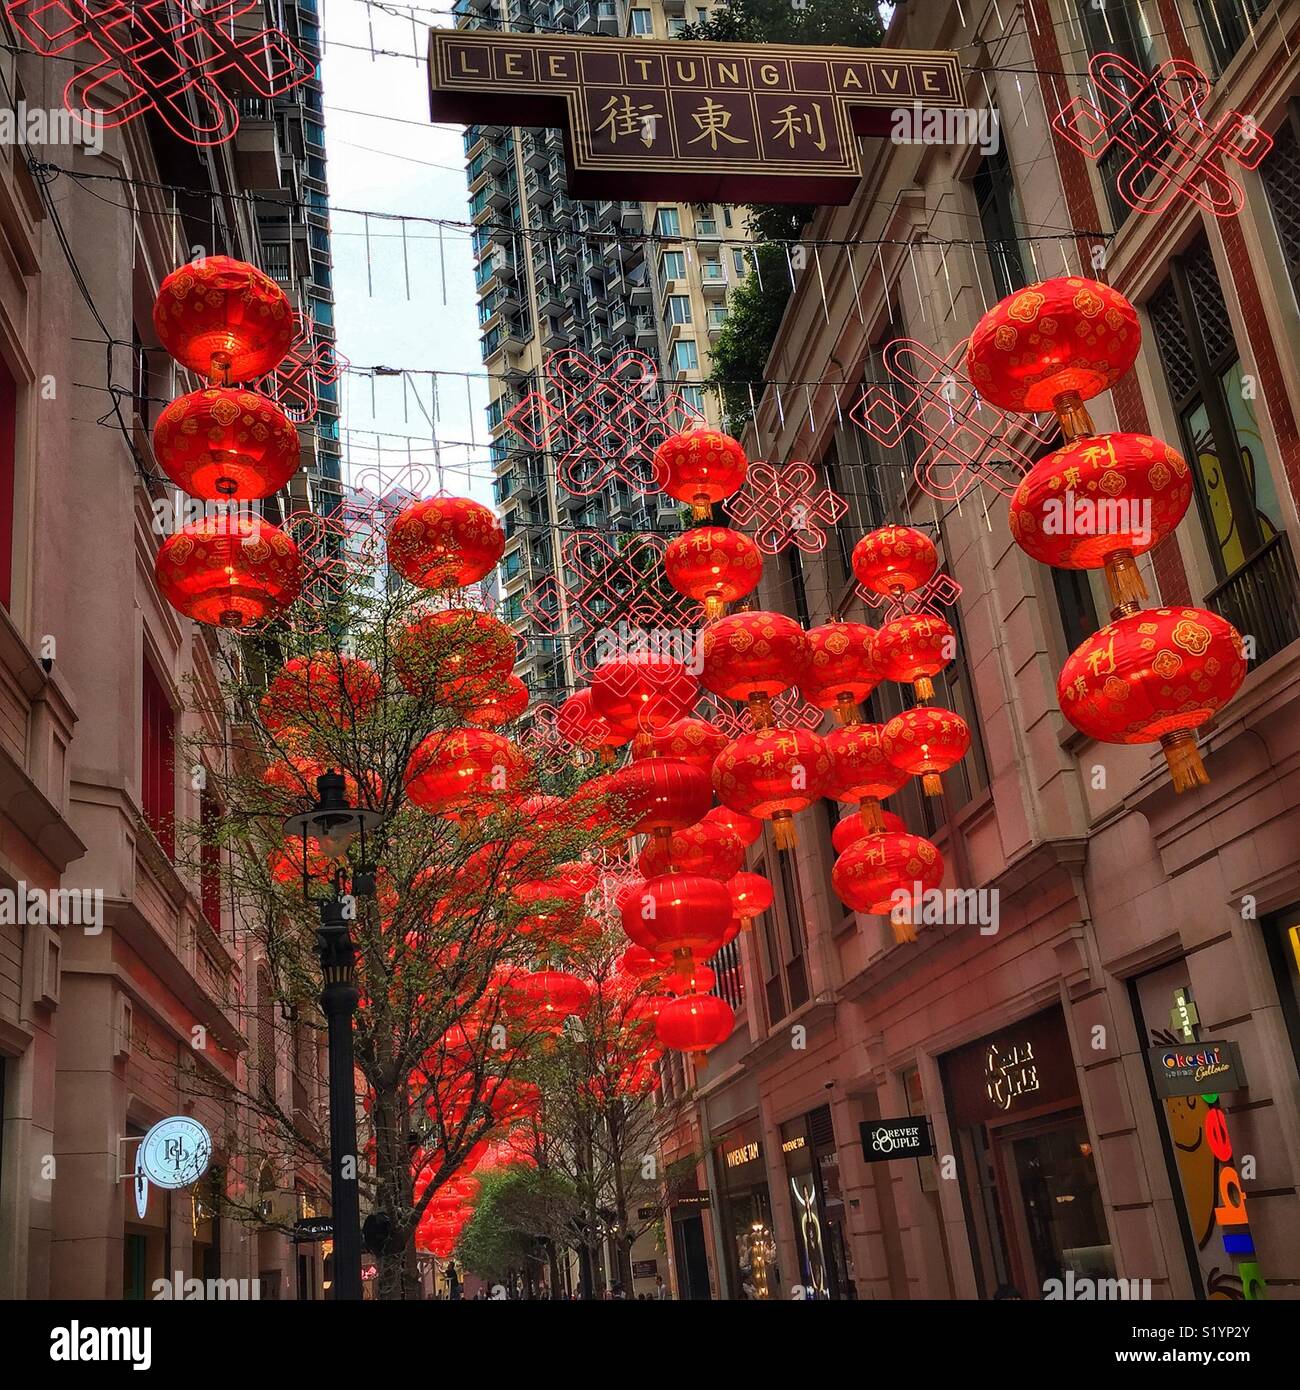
(175, 1152)
(1197, 1068)
(886, 1139)
(721, 122)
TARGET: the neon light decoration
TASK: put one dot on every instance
(1173, 152)
(310, 363)
(931, 598)
(166, 56)
(783, 505)
(958, 441)
(603, 422)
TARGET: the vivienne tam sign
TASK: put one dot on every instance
(709, 121)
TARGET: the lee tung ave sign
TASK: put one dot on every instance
(709, 121)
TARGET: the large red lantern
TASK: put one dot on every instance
(713, 564)
(638, 964)
(643, 692)
(1154, 676)
(925, 742)
(693, 741)
(753, 656)
(578, 722)
(494, 700)
(772, 774)
(1052, 346)
(692, 979)
(225, 444)
(861, 770)
(707, 849)
(466, 772)
(747, 829)
(751, 896)
(1099, 502)
(841, 670)
(857, 826)
(551, 996)
(912, 649)
(445, 542)
(694, 1023)
(326, 688)
(885, 873)
(229, 571)
(663, 795)
(894, 560)
(448, 645)
(679, 915)
(224, 319)
(700, 466)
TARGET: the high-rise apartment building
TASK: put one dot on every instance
(599, 278)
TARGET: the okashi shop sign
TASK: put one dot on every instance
(1195, 1068)
(716, 122)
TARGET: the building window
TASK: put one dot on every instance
(673, 267)
(706, 226)
(1280, 173)
(692, 396)
(994, 186)
(740, 262)
(8, 472)
(1227, 24)
(642, 23)
(158, 760)
(678, 309)
(685, 357)
(210, 859)
(668, 222)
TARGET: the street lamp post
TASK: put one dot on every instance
(334, 824)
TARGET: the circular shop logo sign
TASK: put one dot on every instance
(175, 1152)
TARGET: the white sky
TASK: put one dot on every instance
(383, 165)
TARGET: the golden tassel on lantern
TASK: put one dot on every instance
(1125, 580)
(701, 509)
(846, 710)
(783, 831)
(746, 924)
(901, 922)
(701, 1062)
(1076, 423)
(760, 709)
(1184, 759)
(714, 606)
(872, 813)
(924, 688)
(932, 784)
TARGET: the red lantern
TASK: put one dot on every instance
(449, 645)
(551, 996)
(226, 444)
(1052, 346)
(445, 542)
(679, 915)
(578, 723)
(772, 774)
(753, 656)
(494, 701)
(706, 849)
(692, 741)
(857, 826)
(861, 770)
(895, 560)
(638, 964)
(751, 896)
(1154, 676)
(1099, 502)
(713, 564)
(700, 466)
(229, 571)
(925, 742)
(643, 692)
(913, 648)
(694, 1023)
(224, 319)
(841, 668)
(747, 829)
(466, 772)
(693, 979)
(324, 689)
(662, 795)
(884, 873)
(286, 864)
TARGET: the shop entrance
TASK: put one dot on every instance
(692, 1262)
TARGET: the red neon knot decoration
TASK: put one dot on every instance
(783, 505)
(932, 598)
(310, 363)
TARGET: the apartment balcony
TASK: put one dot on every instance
(541, 193)
(715, 318)
(553, 333)
(607, 17)
(639, 290)
(500, 194)
(549, 299)
(631, 217)
(1263, 598)
(645, 330)
(713, 279)
(536, 155)
(257, 145)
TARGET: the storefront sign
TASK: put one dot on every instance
(314, 1228)
(644, 1269)
(789, 1146)
(745, 1153)
(175, 1152)
(906, 1138)
(648, 1213)
(709, 121)
(1025, 1067)
(1010, 1072)
(691, 1199)
(1196, 1068)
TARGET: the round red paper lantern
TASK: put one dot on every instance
(324, 689)
(224, 444)
(695, 1023)
(753, 656)
(751, 896)
(747, 829)
(466, 772)
(663, 795)
(494, 701)
(1052, 346)
(841, 670)
(1099, 502)
(692, 979)
(700, 466)
(449, 645)
(882, 873)
(912, 649)
(578, 723)
(894, 560)
(925, 742)
(445, 542)
(643, 692)
(678, 915)
(861, 770)
(224, 319)
(713, 564)
(1154, 676)
(229, 571)
(638, 964)
(857, 826)
(772, 774)
(707, 849)
(692, 741)
(551, 996)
